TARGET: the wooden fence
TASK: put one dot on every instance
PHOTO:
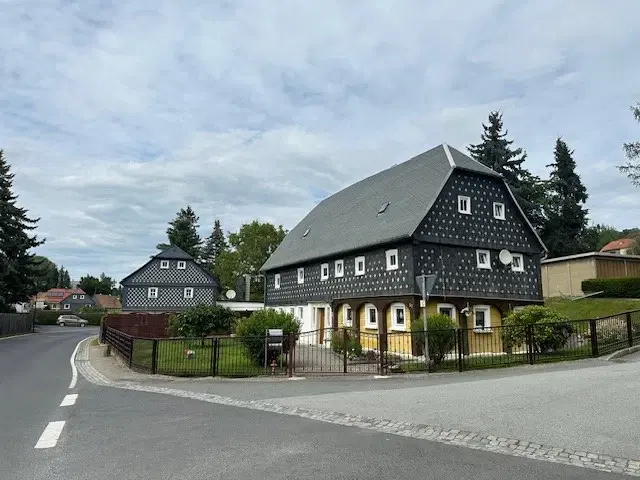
(15, 323)
(142, 325)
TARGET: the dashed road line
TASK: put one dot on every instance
(51, 434)
(69, 400)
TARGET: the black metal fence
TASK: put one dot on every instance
(15, 323)
(348, 350)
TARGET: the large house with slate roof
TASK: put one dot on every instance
(352, 261)
(171, 281)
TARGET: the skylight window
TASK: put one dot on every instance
(383, 207)
(306, 232)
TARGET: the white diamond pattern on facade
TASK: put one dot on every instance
(152, 273)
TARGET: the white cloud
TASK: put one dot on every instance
(116, 116)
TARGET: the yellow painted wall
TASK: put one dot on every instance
(399, 341)
(565, 278)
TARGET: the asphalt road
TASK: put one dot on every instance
(119, 434)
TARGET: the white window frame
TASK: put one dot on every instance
(486, 266)
(188, 289)
(367, 321)
(364, 265)
(152, 292)
(390, 254)
(345, 322)
(323, 267)
(519, 308)
(301, 275)
(335, 268)
(466, 211)
(182, 265)
(301, 313)
(276, 280)
(81, 297)
(454, 311)
(487, 318)
(66, 306)
(164, 264)
(75, 297)
(501, 216)
(394, 317)
(520, 257)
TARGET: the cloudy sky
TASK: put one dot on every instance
(114, 115)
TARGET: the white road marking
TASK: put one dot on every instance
(69, 400)
(381, 376)
(50, 436)
(74, 370)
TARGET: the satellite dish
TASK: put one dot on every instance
(231, 294)
(505, 257)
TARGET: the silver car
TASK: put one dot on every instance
(71, 320)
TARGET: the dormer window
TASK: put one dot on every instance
(277, 280)
(324, 271)
(498, 211)
(182, 265)
(164, 264)
(301, 275)
(464, 204)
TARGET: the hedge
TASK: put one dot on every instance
(622, 287)
(49, 317)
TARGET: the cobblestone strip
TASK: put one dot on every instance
(491, 443)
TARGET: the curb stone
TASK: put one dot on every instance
(476, 441)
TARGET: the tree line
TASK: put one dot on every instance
(555, 206)
(228, 256)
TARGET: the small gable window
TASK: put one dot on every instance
(517, 262)
(182, 265)
(464, 204)
(153, 292)
(392, 259)
(498, 211)
(277, 280)
(67, 306)
(81, 297)
(301, 275)
(324, 271)
(188, 292)
(359, 265)
(483, 258)
(75, 297)
(164, 263)
(339, 268)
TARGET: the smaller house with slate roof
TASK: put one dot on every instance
(353, 260)
(170, 282)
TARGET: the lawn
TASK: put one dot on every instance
(232, 359)
(592, 307)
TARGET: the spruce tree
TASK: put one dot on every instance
(632, 152)
(496, 152)
(215, 244)
(18, 269)
(183, 233)
(566, 230)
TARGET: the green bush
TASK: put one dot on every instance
(441, 331)
(551, 330)
(252, 330)
(49, 317)
(623, 287)
(354, 348)
(202, 321)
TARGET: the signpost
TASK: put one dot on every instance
(426, 283)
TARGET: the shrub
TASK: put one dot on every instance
(202, 321)
(354, 348)
(49, 317)
(251, 331)
(551, 330)
(623, 287)
(441, 331)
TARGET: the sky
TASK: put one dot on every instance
(114, 115)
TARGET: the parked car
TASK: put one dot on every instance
(71, 320)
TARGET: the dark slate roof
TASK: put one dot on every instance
(173, 253)
(348, 220)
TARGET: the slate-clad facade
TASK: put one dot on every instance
(75, 301)
(170, 281)
(438, 213)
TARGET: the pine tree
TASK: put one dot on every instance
(215, 244)
(18, 268)
(632, 152)
(183, 233)
(566, 231)
(495, 152)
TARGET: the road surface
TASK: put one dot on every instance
(111, 433)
